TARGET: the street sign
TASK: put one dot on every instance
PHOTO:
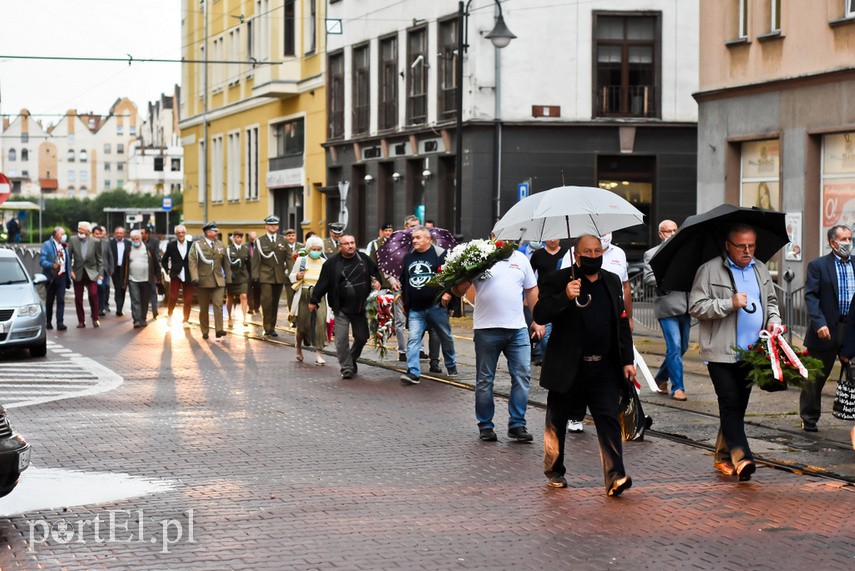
(167, 204)
(133, 218)
(522, 190)
(5, 188)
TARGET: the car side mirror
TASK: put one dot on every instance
(39, 279)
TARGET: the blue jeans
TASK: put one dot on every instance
(676, 332)
(516, 346)
(436, 318)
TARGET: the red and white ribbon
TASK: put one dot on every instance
(775, 339)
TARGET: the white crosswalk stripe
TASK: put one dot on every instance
(63, 375)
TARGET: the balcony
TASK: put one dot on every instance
(626, 101)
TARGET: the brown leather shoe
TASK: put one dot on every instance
(726, 467)
(679, 395)
(744, 470)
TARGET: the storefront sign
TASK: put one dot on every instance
(285, 178)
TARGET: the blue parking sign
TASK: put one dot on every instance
(522, 190)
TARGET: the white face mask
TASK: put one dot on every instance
(63, 238)
(606, 241)
(844, 249)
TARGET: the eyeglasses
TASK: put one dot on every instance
(743, 247)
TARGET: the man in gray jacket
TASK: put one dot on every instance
(734, 299)
(672, 311)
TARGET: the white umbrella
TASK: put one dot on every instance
(567, 212)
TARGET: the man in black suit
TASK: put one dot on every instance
(118, 245)
(829, 287)
(174, 262)
(588, 360)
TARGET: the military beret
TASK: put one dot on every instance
(273, 220)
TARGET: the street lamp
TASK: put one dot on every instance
(501, 36)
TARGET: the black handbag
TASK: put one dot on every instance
(633, 421)
(844, 400)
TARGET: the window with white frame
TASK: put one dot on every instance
(261, 30)
(120, 166)
(107, 184)
(289, 138)
(120, 148)
(217, 70)
(335, 95)
(775, 15)
(71, 156)
(310, 41)
(289, 29)
(84, 156)
(13, 155)
(108, 148)
(203, 175)
(83, 176)
(850, 8)
(70, 191)
(25, 154)
(252, 163)
(107, 167)
(233, 166)
(72, 176)
(175, 165)
(446, 76)
(83, 190)
(743, 19)
(234, 57)
(217, 169)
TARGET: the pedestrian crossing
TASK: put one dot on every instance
(64, 374)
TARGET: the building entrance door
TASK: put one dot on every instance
(288, 206)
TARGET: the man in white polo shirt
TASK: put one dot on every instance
(500, 328)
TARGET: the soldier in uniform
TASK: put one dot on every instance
(293, 247)
(210, 272)
(268, 269)
(331, 242)
(238, 256)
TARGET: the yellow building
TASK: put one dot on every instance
(253, 117)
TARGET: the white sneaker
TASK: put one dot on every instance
(575, 426)
(185, 325)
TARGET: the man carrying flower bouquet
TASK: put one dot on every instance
(499, 327)
(734, 299)
(421, 305)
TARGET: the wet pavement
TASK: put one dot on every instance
(267, 463)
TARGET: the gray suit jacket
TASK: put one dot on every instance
(666, 304)
(92, 264)
(107, 257)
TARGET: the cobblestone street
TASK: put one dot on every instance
(276, 464)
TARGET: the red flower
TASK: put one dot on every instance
(750, 347)
(439, 269)
(294, 258)
(500, 244)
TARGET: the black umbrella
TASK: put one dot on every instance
(701, 238)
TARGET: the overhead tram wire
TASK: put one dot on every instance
(131, 59)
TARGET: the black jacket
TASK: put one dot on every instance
(564, 351)
(331, 278)
(173, 263)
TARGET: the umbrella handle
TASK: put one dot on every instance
(583, 305)
(752, 310)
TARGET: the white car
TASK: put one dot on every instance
(22, 312)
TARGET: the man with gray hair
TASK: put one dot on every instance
(175, 263)
(672, 311)
(829, 287)
(87, 268)
(141, 271)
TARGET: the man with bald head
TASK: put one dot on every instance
(672, 311)
(588, 362)
(175, 262)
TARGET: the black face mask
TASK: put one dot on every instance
(590, 266)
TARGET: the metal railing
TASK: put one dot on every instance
(791, 304)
